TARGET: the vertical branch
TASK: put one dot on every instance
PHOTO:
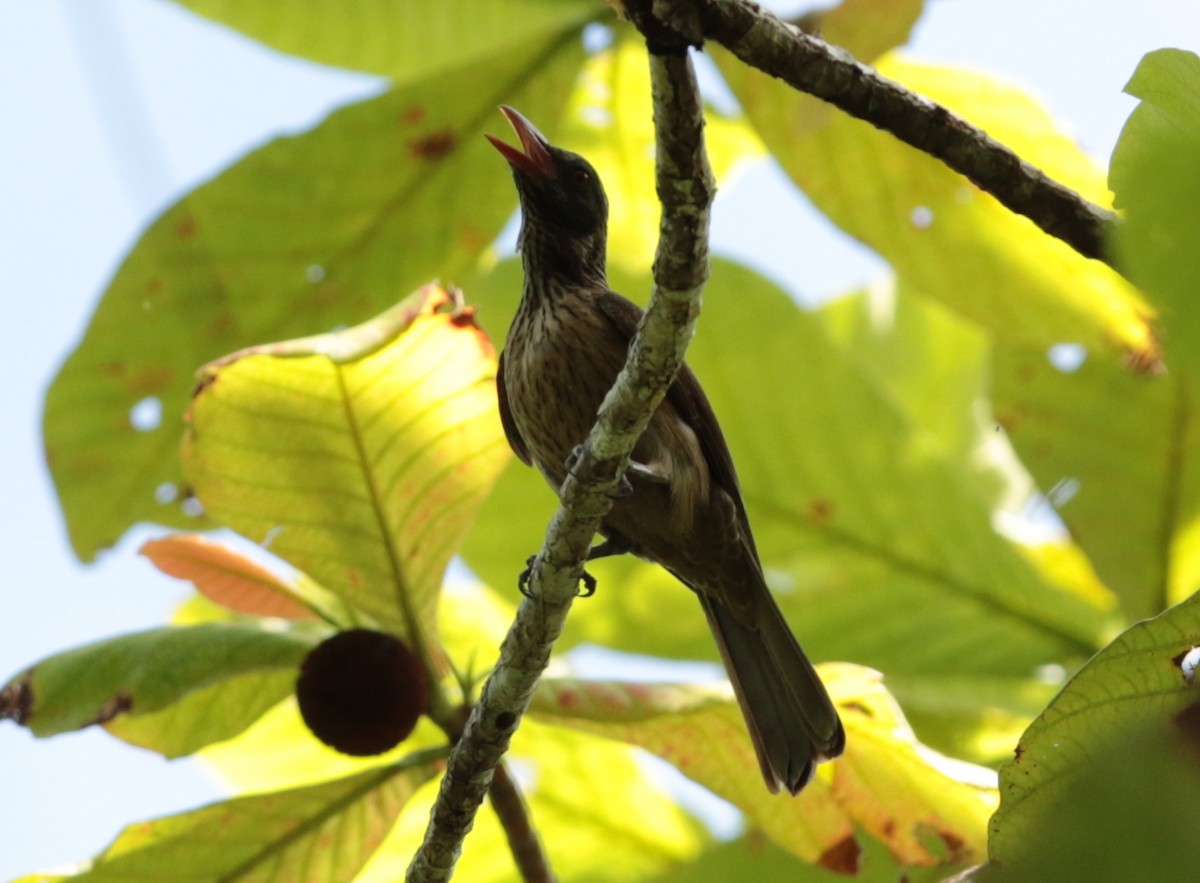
(685, 187)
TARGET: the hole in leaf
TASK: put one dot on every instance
(1067, 357)
(921, 217)
(146, 415)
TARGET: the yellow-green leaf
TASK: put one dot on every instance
(579, 790)
(1117, 454)
(406, 40)
(308, 233)
(883, 784)
(944, 237)
(317, 834)
(1156, 180)
(360, 456)
(866, 28)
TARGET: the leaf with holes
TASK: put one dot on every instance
(1103, 784)
(310, 232)
(362, 454)
(883, 784)
(324, 832)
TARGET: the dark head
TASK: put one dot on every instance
(564, 213)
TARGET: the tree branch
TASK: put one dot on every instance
(810, 65)
(685, 186)
(523, 840)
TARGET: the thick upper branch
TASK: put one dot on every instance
(807, 63)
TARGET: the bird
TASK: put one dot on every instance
(680, 505)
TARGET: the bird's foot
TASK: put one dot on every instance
(589, 581)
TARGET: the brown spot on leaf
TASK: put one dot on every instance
(185, 229)
(472, 237)
(435, 145)
(207, 379)
(152, 379)
(1009, 418)
(843, 857)
(568, 699)
(154, 285)
(956, 846)
(119, 703)
(464, 318)
(414, 113)
(820, 509)
(220, 326)
(16, 699)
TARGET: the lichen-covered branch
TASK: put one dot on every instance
(686, 188)
(764, 41)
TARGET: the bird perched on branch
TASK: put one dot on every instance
(683, 509)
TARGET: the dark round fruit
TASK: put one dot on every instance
(361, 692)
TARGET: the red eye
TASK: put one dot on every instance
(580, 177)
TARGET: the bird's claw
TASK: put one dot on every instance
(589, 585)
(523, 585)
(523, 578)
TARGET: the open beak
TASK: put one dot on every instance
(535, 160)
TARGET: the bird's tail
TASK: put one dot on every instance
(791, 718)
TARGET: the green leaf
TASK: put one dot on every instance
(305, 234)
(360, 456)
(139, 674)
(1156, 180)
(877, 540)
(407, 40)
(322, 833)
(206, 715)
(1116, 452)
(882, 784)
(943, 237)
(1103, 783)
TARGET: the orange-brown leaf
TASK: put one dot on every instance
(225, 576)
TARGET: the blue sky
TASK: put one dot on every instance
(113, 108)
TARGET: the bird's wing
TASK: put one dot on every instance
(688, 398)
(506, 418)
